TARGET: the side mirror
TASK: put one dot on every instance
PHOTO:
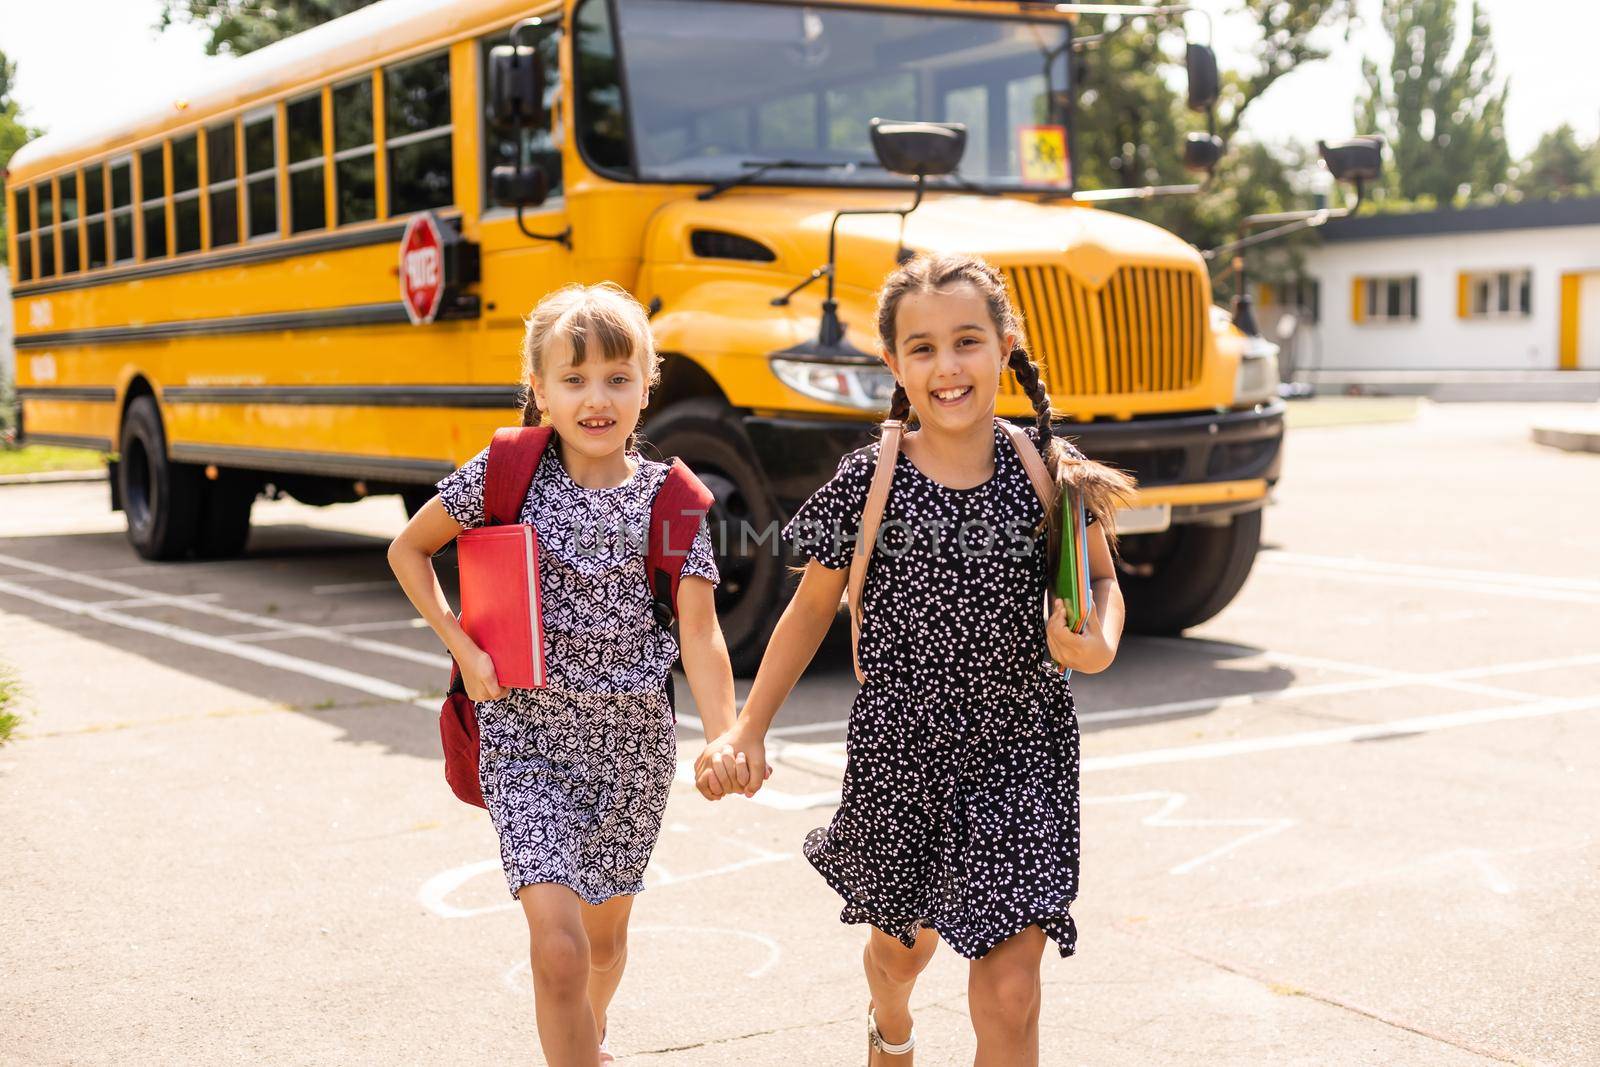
(1202, 151)
(519, 186)
(1205, 83)
(920, 149)
(1360, 159)
(516, 87)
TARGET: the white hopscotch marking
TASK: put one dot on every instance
(1171, 802)
(519, 979)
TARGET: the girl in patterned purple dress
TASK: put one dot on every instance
(576, 775)
(958, 819)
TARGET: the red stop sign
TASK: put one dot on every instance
(422, 269)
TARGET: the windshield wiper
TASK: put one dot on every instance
(763, 166)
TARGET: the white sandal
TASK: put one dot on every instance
(875, 1040)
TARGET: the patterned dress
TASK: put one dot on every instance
(960, 800)
(576, 775)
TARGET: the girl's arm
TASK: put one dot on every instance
(794, 642)
(411, 559)
(705, 663)
(1093, 650)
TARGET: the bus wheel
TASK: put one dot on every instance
(743, 522)
(160, 498)
(1185, 575)
(225, 505)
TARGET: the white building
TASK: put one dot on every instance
(1507, 294)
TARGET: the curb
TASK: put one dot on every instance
(53, 476)
(1569, 438)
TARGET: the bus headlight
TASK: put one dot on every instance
(1257, 379)
(868, 386)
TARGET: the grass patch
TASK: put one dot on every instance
(31, 459)
(10, 691)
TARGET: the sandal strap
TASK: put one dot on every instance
(883, 1046)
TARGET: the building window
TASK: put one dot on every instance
(222, 184)
(153, 202)
(1303, 296)
(23, 222)
(536, 146)
(1392, 299)
(94, 215)
(186, 194)
(354, 168)
(122, 250)
(68, 212)
(308, 209)
(261, 172)
(1497, 294)
(45, 198)
(416, 122)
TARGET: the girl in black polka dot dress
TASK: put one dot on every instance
(959, 813)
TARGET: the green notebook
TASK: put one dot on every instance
(1072, 573)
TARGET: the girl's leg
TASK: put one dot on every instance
(559, 952)
(1003, 990)
(892, 971)
(607, 927)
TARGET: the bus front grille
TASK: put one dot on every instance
(1141, 332)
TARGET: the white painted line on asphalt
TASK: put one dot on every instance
(159, 601)
(342, 628)
(266, 657)
(1423, 570)
(1364, 731)
(1425, 581)
(1171, 802)
(263, 622)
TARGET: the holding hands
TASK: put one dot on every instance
(735, 762)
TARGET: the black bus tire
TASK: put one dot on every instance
(704, 434)
(160, 498)
(1187, 574)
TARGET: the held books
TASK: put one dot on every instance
(500, 611)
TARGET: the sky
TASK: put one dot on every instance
(73, 53)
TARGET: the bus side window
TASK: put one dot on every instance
(122, 210)
(153, 201)
(416, 122)
(541, 144)
(307, 208)
(94, 215)
(23, 222)
(602, 128)
(355, 177)
(222, 184)
(69, 222)
(186, 194)
(46, 229)
(261, 172)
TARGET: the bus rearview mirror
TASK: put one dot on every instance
(519, 186)
(516, 87)
(1205, 84)
(919, 149)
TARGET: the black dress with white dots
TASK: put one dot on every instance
(960, 800)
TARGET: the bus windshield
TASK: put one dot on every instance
(717, 87)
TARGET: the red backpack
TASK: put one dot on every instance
(675, 515)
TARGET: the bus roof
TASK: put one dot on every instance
(360, 40)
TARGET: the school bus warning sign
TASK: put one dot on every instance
(1044, 154)
(422, 269)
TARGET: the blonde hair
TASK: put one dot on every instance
(603, 320)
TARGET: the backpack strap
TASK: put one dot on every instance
(514, 454)
(1033, 463)
(675, 516)
(867, 536)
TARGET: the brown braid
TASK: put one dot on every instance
(900, 404)
(531, 415)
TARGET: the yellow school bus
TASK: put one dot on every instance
(211, 288)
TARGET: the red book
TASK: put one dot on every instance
(499, 568)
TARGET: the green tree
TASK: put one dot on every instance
(1560, 165)
(14, 133)
(240, 26)
(1444, 117)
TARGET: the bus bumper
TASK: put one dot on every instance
(1176, 458)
